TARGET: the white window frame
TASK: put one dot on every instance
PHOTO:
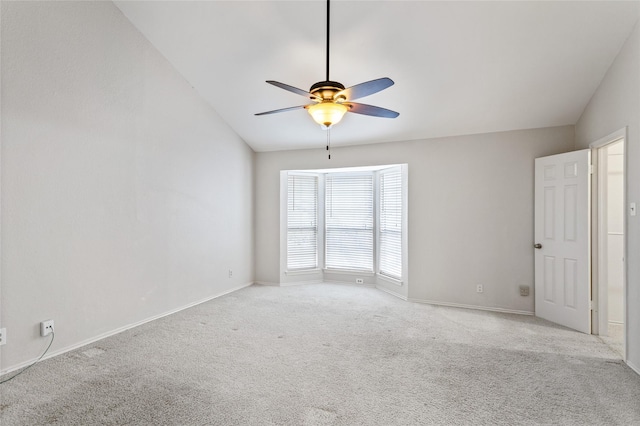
(293, 176)
(379, 271)
(373, 224)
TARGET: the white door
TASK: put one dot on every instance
(562, 246)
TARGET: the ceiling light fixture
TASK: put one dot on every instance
(327, 113)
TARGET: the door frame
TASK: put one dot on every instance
(597, 190)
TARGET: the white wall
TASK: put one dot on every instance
(124, 195)
(614, 105)
(470, 210)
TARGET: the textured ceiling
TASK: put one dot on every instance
(459, 67)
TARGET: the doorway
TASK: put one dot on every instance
(608, 273)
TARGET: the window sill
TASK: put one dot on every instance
(390, 280)
(303, 272)
(348, 272)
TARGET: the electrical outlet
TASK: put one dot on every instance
(230, 273)
(359, 281)
(3, 336)
(46, 328)
(524, 290)
(479, 288)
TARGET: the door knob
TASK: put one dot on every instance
(537, 245)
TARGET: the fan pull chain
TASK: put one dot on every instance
(329, 142)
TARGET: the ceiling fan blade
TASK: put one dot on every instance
(364, 89)
(281, 110)
(371, 110)
(291, 89)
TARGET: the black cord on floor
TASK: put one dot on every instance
(53, 335)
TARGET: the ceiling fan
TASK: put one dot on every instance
(332, 100)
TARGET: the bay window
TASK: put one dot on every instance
(346, 221)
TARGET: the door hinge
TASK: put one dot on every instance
(591, 305)
(591, 169)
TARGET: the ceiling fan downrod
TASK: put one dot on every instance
(328, 21)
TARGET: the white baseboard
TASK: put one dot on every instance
(393, 293)
(349, 283)
(300, 283)
(120, 330)
(633, 367)
(481, 308)
(267, 283)
(295, 283)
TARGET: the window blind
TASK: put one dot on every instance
(391, 223)
(302, 222)
(349, 222)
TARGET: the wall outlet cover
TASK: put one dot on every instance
(46, 328)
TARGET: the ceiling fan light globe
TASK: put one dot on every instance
(326, 114)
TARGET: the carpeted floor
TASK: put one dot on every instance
(615, 339)
(330, 355)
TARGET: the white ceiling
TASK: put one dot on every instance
(459, 67)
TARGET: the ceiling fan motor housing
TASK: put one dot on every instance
(326, 90)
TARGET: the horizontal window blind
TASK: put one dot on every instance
(302, 222)
(391, 223)
(349, 222)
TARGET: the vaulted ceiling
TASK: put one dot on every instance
(459, 67)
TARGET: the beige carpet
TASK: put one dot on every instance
(330, 355)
